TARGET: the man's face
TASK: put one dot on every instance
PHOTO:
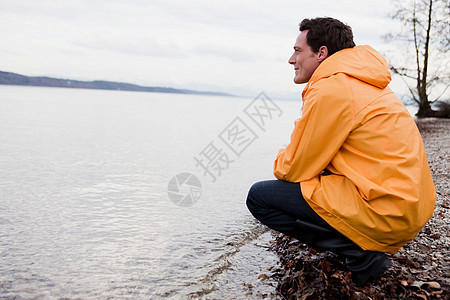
(304, 60)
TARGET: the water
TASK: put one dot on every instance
(84, 208)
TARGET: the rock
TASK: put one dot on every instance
(417, 284)
(434, 285)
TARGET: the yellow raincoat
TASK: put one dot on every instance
(380, 192)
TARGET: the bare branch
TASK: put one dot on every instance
(443, 92)
(411, 90)
(416, 46)
(401, 72)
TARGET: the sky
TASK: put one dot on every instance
(235, 46)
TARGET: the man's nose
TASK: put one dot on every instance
(291, 60)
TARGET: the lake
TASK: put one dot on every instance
(113, 194)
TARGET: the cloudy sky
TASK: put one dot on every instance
(233, 46)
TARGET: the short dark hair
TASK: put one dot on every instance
(328, 32)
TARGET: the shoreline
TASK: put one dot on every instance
(9, 78)
(420, 269)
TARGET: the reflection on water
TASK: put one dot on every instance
(84, 209)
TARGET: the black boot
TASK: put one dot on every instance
(364, 265)
(367, 266)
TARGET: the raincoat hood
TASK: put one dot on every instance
(361, 62)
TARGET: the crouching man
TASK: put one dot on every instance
(354, 179)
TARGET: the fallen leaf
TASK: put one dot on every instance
(263, 277)
(408, 262)
(435, 236)
(307, 296)
(288, 265)
(421, 296)
(326, 267)
(424, 248)
(313, 251)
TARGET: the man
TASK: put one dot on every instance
(354, 179)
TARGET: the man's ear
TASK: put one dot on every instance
(323, 53)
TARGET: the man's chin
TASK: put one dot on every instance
(298, 81)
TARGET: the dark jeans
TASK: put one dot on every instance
(281, 206)
(278, 204)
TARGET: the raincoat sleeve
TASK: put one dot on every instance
(326, 122)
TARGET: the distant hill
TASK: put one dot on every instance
(17, 79)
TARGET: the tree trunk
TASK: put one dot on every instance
(425, 111)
